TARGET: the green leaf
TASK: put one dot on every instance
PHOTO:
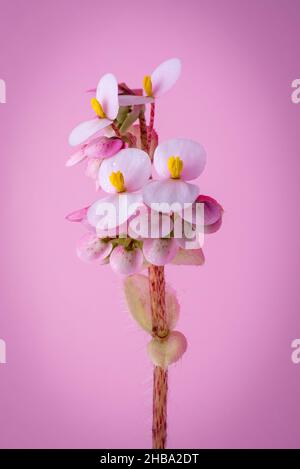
(130, 119)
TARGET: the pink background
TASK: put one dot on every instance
(77, 373)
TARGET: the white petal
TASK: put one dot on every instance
(132, 100)
(165, 76)
(107, 95)
(134, 164)
(113, 210)
(150, 224)
(86, 129)
(171, 195)
(191, 153)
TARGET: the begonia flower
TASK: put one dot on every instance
(176, 161)
(105, 106)
(122, 176)
(158, 83)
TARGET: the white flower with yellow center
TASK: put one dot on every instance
(105, 106)
(122, 176)
(176, 162)
(158, 83)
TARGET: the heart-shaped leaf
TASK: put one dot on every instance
(164, 352)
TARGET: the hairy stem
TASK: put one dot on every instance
(151, 123)
(117, 131)
(159, 329)
(143, 132)
(160, 376)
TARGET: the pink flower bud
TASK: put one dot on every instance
(103, 147)
(90, 248)
(160, 251)
(126, 262)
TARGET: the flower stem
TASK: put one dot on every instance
(160, 329)
(151, 123)
(143, 131)
(160, 375)
(116, 130)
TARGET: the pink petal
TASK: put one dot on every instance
(78, 215)
(134, 164)
(90, 248)
(113, 210)
(107, 95)
(213, 211)
(103, 147)
(164, 352)
(86, 129)
(174, 193)
(209, 229)
(191, 153)
(92, 168)
(132, 100)
(160, 251)
(76, 158)
(165, 76)
(126, 262)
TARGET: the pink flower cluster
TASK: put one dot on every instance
(152, 213)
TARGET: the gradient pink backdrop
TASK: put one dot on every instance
(77, 373)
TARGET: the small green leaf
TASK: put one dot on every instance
(130, 119)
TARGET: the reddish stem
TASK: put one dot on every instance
(143, 131)
(116, 130)
(160, 376)
(151, 123)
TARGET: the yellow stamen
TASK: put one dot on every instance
(97, 108)
(175, 166)
(147, 84)
(117, 180)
